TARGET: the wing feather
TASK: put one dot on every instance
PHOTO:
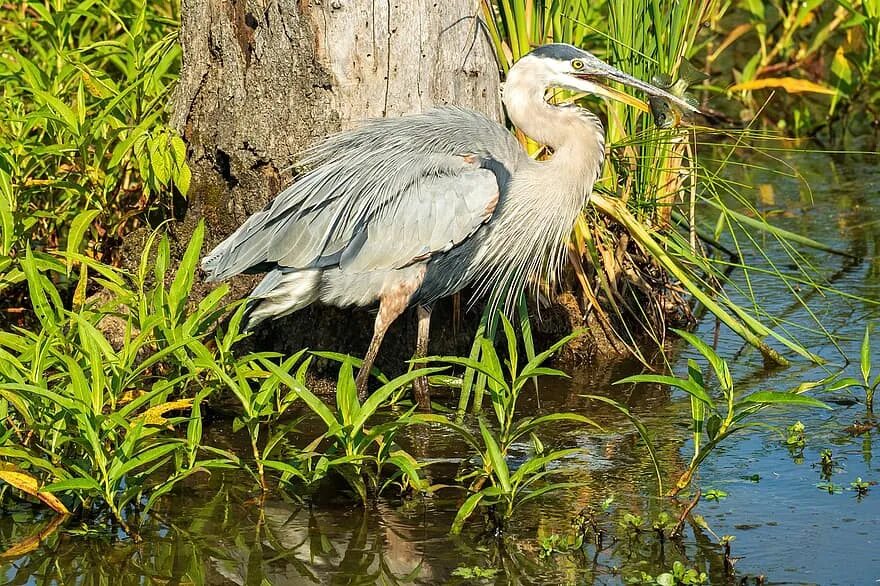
(422, 182)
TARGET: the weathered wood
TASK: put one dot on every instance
(261, 79)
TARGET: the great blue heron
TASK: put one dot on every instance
(404, 211)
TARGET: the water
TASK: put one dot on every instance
(214, 530)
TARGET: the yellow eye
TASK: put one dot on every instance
(577, 64)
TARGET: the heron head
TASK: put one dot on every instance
(564, 66)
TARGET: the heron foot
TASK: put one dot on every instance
(422, 393)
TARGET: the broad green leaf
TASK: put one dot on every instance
(865, 362)
(528, 425)
(347, 403)
(142, 458)
(465, 511)
(465, 433)
(461, 361)
(179, 291)
(687, 386)
(530, 368)
(317, 406)
(536, 464)
(844, 383)
(496, 458)
(716, 362)
(777, 398)
(382, 393)
(644, 434)
(75, 484)
(545, 489)
(78, 228)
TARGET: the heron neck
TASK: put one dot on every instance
(575, 135)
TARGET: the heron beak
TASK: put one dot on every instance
(612, 74)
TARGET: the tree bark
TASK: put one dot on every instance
(261, 79)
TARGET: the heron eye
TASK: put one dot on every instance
(577, 64)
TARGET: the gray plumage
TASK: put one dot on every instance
(407, 210)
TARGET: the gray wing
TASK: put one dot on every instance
(385, 195)
(432, 216)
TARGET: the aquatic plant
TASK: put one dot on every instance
(712, 421)
(494, 484)
(263, 407)
(870, 382)
(85, 414)
(349, 447)
(678, 575)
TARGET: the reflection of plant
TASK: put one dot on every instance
(709, 421)
(475, 572)
(868, 384)
(507, 489)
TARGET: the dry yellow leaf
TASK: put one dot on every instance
(14, 476)
(792, 85)
(154, 415)
(129, 396)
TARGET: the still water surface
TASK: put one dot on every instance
(787, 530)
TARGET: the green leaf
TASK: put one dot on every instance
(530, 368)
(777, 398)
(510, 335)
(467, 362)
(317, 406)
(382, 393)
(410, 468)
(465, 511)
(533, 465)
(545, 489)
(722, 371)
(78, 228)
(866, 356)
(346, 394)
(687, 386)
(144, 457)
(178, 293)
(465, 433)
(75, 484)
(644, 434)
(528, 425)
(844, 383)
(496, 459)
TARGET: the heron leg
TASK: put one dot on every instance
(390, 309)
(420, 385)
